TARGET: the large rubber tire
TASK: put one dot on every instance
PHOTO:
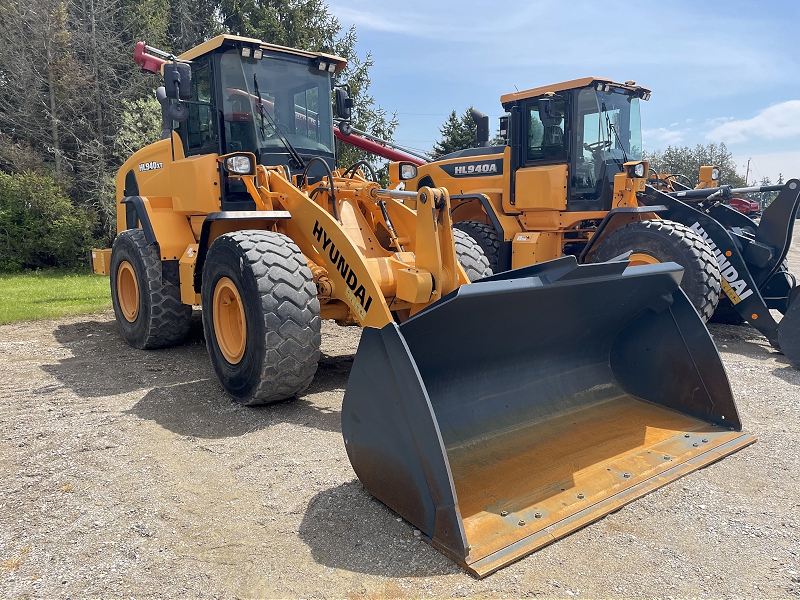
(486, 237)
(726, 313)
(153, 315)
(279, 316)
(471, 255)
(668, 241)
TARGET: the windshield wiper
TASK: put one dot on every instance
(262, 113)
(613, 129)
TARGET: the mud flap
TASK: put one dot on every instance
(527, 405)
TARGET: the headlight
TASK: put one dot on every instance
(239, 165)
(408, 171)
(714, 174)
(637, 170)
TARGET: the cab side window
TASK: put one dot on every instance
(546, 143)
(200, 134)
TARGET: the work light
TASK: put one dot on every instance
(408, 171)
(239, 164)
(636, 170)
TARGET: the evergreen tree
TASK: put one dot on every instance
(458, 133)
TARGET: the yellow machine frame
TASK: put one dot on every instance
(362, 277)
(529, 204)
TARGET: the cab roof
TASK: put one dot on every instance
(566, 85)
(221, 40)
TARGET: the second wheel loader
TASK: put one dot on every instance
(496, 416)
(571, 181)
(567, 178)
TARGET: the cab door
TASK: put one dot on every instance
(541, 181)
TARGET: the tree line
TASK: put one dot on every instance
(74, 105)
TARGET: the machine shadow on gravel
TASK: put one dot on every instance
(743, 340)
(186, 397)
(346, 528)
(788, 373)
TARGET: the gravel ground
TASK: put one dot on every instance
(130, 474)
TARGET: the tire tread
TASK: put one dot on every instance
(170, 319)
(486, 237)
(702, 259)
(290, 308)
(471, 255)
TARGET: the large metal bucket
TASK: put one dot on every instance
(529, 404)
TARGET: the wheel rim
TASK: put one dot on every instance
(230, 326)
(128, 291)
(640, 258)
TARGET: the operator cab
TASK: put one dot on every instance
(249, 96)
(592, 125)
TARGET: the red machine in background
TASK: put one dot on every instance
(745, 206)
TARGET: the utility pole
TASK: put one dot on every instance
(747, 173)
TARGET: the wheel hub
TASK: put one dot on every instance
(230, 326)
(128, 291)
(640, 258)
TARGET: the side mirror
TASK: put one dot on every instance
(345, 128)
(482, 122)
(547, 111)
(170, 112)
(178, 81)
(344, 103)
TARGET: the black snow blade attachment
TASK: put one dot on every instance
(531, 403)
(752, 265)
(789, 333)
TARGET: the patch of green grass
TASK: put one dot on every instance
(50, 294)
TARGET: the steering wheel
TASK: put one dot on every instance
(601, 145)
(270, 132)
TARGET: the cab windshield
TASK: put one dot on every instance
(609, 133)
(295, 101)
(610, 125)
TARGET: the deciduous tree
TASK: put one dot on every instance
(687, 162)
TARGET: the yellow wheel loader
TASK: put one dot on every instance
(571, 181)
(495, 416)
(566, 184)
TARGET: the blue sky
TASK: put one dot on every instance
(719, 71)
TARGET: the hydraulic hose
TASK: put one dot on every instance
(362, 163)
(304, 177)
